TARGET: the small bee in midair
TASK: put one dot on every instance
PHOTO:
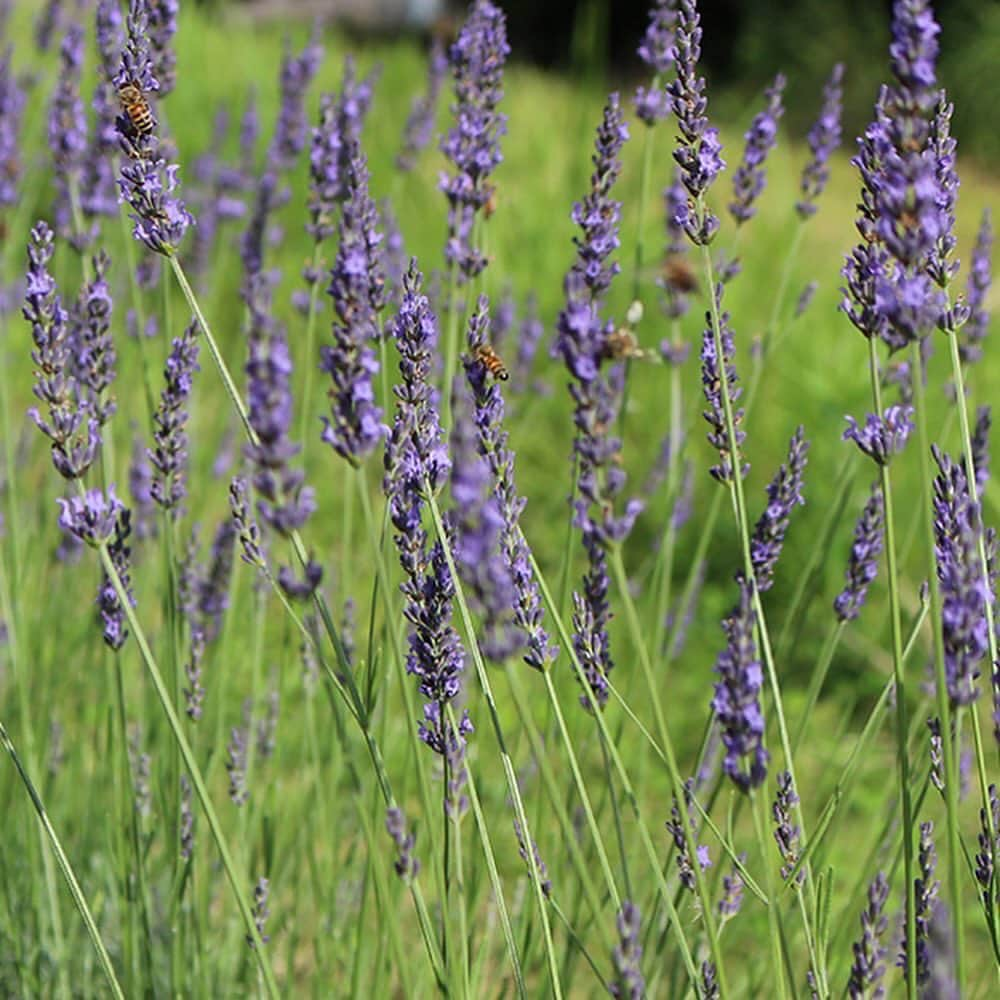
(621, 345)
(678, 275)
(491, 204)
(136, 108)
(492, 362)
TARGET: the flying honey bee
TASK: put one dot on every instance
(136, 108)
(491, 204)
(492, 362)
(621, 345)
(678, 275)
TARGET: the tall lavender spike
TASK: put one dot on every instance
(472, 145)
(869, 951)
(419, 127)
(964, 591)
(169, 452)
(657, 52)
(981, 448)
(977, 292)
(98, 192)
(530, 335)
(111, 611)
(926, 891)
(236, 759)
(823, 139)
(109, 33)
(699, 151)
(489, 410)
(67, 134)
(162, 28)
(93, 346)
(212, 598)
(289, 137)
(786, 833)
(406, 864)
(140, 487)
(12, 102)
(357, 288)
(989, 849)
(862, 564)
(783, 493)
(675, 827)
(749, 179)
(737, 702)
(629, 983)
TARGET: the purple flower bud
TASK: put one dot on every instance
(926, 890)
(749, 179)
(989, 847)
(786, 833)
(162, 28)
(675, 827)
(406, 864)
(629, 983)
(245, 527)
(12, 102)
(981, 449)
(111, 611)
(977, 291)
(194, 693)
(67, 132)
(212, 598)
(869, 952)
(862, 565)
(823, 139)
(236, 760)
(423, 110)
(522, 849)
(657, 52)
(289, 137)
(882, 437)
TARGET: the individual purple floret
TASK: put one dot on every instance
(12, 102)
(698, 153)
(737, 700)
(92, 517)
(977, 291)
(711, 381)
(629, 983)
(170, 440)
(989, 849)
(926, 890)
(964, 590)
(489, 411)
(71, 425)
(543, 873)
(783, 493)
(94, 356)
(419, 127)
(882, 437)
(162, 28)
(357, 288)
(823, 139)
(749, 179)
(862, 565)
(406, 864)
(290, 131)
(657, 52)
(110, 608)
(787, 834)
(868, 967)
(472, 145)
(67, 134)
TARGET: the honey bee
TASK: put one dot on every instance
(136, 108)
(491, 204)
(492, 362)
(678, 275)
(621, 345)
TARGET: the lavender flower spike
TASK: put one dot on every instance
(629, 982)
(420, 123)
(699, 151)
(91, 517)
(406, 864)
(749, 179)
(169, 453)
(737, 698)
(67, 132)
(862, 565)
(977, 291)
(783, 493)
(657, 52)
(489, 410)
(162, 28)
(472, 145)
(882, 437)
(289, 136)
(964, 590)
(926, 888)
(869, 952)
(111, 611)
(823, 139)
(12, 101)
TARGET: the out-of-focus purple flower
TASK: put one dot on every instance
(194, 693)
(71, 425)
(92, 517)
(423, 110)
(787, 834)
(882, 437)
(212, 598)
(591, 614)
(783, 493)
(823, 139)
(93, 348)
(406, 864)
(472, 145)
(926, 890)
(237, 760)
(657, 52)
(629, 983)
(140, 487)
(977, 290)
(530, 335)
(677, 279)
(989, 848)
(162, 28)
(750, 178)
(699, 151)
(675, 827)
(297, 72)
(942, 146)
(488, 418)
(170, 440)
(737, 700)
(965, 593)
(267, 725)
(711, 381)
(110, 34)
(48, 20)
(731, 897)
(111, 611)
(868, 967)
(913, 53)
(805, 299)
(394, 255)
(244, 526)
(67, 133)
(543, 873)
(357, 289)
(98, 191)
(981, 448)
(12, 101)
(862, 565)
(252, 242)
(187, 820)
(936, 753)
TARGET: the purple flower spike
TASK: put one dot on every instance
(699, 153)
(162, 28)
(989, 847)
(93, 347)
(406, 864)
(964, 591)
(977, 291)
(926, 888)
(869, 952)
(737, 702)
(67, 133)
(92, 517)
(657, 52)
(783, 493)
(419, 127)
(882, 437)
(169, 453)
(110, 608)
(12, 101)
(862, 565)
(472, 145)
(357, 288)
(786, 833)
(823, 139)
(749, 179)
(110, 34)
(981, 448)
(289, 137)
(629, 983)
(913, 52)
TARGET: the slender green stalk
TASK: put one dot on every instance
(65, 867)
